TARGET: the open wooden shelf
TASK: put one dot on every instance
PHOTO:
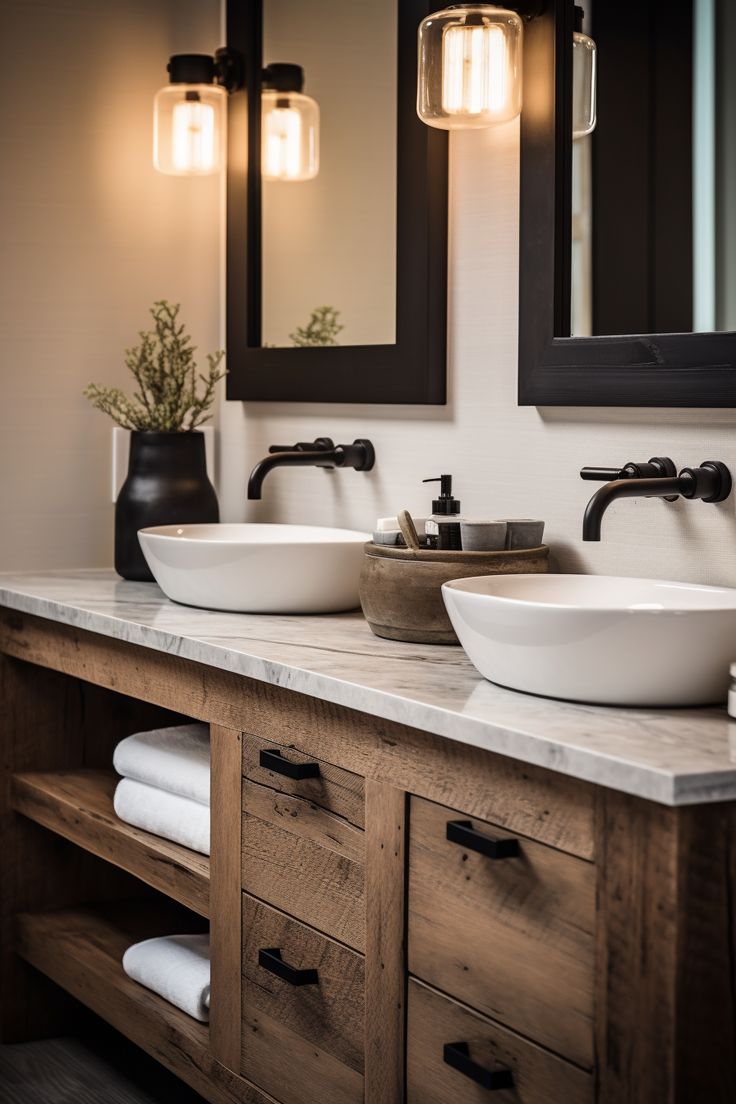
(78, 806)
(81, 950)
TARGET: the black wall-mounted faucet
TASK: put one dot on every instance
(658, 478)
(321, 453)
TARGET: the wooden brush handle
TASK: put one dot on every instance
(408, 530)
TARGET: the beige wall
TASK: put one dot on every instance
(90, 235)
(507, 460)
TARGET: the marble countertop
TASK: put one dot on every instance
(676, 757)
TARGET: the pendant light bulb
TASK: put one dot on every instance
(469, 67)
(289, 126)
(189, 119)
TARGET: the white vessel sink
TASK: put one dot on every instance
(602, 639)
(256, 568)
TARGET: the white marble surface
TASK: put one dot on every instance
(675, 757)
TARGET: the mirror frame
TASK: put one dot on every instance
(662, 370)
(413, 370)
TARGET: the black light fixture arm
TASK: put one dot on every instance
(320, 453)
(711, 482)
(229, 68)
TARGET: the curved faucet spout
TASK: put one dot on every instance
(292, 458)
(625, 488)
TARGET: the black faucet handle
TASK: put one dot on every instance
(658, 467)
(602, 475)
(320, 444)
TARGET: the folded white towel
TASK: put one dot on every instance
(177, 967)
(165, 814)
(174, 759)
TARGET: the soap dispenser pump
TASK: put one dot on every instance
(444, 523)
(446, 504)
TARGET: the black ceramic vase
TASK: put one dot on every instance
(167, 484)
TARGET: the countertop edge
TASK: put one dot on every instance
(662, 787)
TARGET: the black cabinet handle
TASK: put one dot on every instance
(270, 959)
(274, 761)
(457, 1055)
(463, 832)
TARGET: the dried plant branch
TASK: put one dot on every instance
(168, 397)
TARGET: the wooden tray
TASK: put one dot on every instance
(401, 589)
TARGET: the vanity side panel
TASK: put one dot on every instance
(666, 952)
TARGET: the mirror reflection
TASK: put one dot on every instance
(654, 185)
(329, 139)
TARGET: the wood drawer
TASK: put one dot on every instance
(303, 1039)
(436, 1021)
(513, 937)
(303, 844)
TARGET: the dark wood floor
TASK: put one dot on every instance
(86, 1071)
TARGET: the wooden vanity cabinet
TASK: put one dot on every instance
(395, 918)
(504, 924)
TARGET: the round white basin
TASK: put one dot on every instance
(256, 568)
(601, 639)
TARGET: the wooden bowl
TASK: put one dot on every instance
(401, 589)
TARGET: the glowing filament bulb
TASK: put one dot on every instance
(469, 67)
(475, 70)
(282, 144)
(289, 136)
(193, 147)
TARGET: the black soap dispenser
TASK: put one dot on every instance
(444, 524)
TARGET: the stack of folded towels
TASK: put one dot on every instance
(165, 787)
(177, 967)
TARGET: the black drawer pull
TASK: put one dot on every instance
(457, 1055)
(463, 832)
(274, 761)
(272, 961)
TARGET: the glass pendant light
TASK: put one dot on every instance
(469, 67)
(289, 126)
(189, 118)
(583, 79)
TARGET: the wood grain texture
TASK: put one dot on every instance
(303, 1073)
(335, 790)
(78, 805)
(225, 922)
(666, 949)
(81, 951)
(539, 1077)
(385, 946)
(513, 937)
(538, 803)
(305, 861)
(329, 1015)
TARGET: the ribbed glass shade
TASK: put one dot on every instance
(189, 123)
(289, 136)
(583, 85)
(469, 67)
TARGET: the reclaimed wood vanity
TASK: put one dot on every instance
(422, 888)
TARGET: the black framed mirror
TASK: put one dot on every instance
(627, 291)
(336, 266)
